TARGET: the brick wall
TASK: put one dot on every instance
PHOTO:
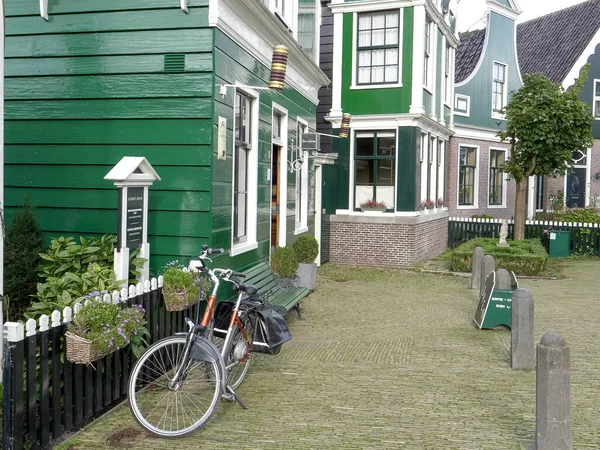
(367, 243)
(482, 183)
(325, 238)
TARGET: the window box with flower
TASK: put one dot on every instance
(373, 205)
(100, 328)
(440, 203)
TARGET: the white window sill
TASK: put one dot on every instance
(496, 206)
(357, 87)
(498, 117)
(467, 207)
(243, 248)
(301, 230)
(428, 89)
(458, 113)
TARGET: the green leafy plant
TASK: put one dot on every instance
(284, 262)
(72, 270)
(181, 288)
(21, 252)
(306, 248)
(111, 327)
(526, 257)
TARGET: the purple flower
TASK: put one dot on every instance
(119, 330)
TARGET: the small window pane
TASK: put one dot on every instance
(378, 21)
(391, 36)
(391, 74)
(391, 56)
(378, 57)
(364, 58)
(364, 146)
(597, 88)
(364, 38)
(364, 171)
(364, 75)
(391, 20)
(597, 108)
(386, 145)
(378, 37)
(364, 22)
(377, 74)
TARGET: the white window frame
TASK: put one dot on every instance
(301, 189)
(467, 99)
(354, 85)
(504, 182)
(448, 76)
(283, 172)
(428, 56)
(595, 98)
(496, 115)
(287, 11)
(425, 140)
(475, 204)
(251, 242)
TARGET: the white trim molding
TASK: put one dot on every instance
(254, 28)
(468, 132)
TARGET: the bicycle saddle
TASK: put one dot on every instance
(248, 289)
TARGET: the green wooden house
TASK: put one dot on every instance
(392, 70)
(489, 64)
(182, 83)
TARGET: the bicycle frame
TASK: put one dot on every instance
(209, 350)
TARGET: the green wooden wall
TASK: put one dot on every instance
(409, 149)
(587, 95)
(336, 177)
(89, 87)
(500, 48)
(233, 64)
(377, 101)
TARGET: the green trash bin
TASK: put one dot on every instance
(560, 243)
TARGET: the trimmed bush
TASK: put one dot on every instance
(306, 248)
(22, 248)
(284, 262)
(527, 257)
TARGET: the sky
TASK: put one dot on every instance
(470, 11)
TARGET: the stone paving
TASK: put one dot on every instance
(391, 359)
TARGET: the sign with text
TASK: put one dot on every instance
(222, 139)
(484, 299)
(495, 305)
(134, 218)
(311, 141)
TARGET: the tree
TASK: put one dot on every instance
(545, 124)
(23, 244)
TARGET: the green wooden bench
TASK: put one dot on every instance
(265, 281)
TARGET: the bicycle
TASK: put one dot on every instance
(177, 384)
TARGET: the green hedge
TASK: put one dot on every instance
(527, 257)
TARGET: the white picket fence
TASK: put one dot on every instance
(17, 331)
(527, 222)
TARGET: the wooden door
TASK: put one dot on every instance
(275, 197)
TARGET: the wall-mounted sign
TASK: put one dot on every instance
(135, 217)
(222, 139)
(311, 141)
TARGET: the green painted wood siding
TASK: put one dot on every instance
(89, 87)
(336, 177)
(409, 149)
(587, 95)
(439, 73)
(500, 48)
(233, 64)
(377, 101)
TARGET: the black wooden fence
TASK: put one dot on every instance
(46, 396)
(585, 237)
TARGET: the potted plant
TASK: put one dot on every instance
(100, 328)
(373, 206)
(430, 204)
(440, 203)
(307, 249)
(422, 205)
(284, 264)
(181, 288)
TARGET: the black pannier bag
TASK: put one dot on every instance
(270, 333)
(222, 317)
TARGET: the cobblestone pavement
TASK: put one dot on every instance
(391, 359)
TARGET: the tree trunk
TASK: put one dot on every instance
(519, 233)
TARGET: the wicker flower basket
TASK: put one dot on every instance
(177, 299)
(81, 350)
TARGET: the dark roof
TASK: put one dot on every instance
(553, 43)
(468, 53)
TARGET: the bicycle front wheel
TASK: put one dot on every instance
(173, 409)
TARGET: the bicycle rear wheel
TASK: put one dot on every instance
(238, 355)
(167, 410)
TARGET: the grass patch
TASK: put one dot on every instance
(446, 256)
(527, 257)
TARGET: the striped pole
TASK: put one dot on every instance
(345, 125)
